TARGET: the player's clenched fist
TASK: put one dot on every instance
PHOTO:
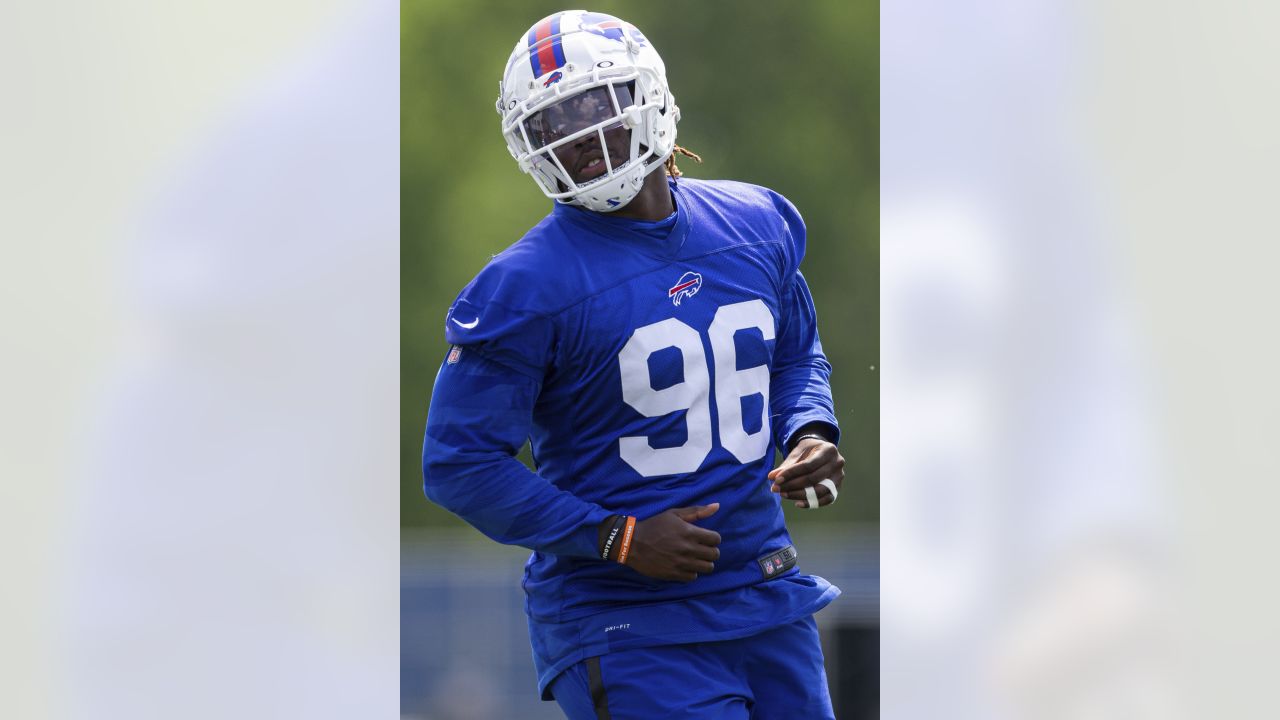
(811, 474)
(668, 546)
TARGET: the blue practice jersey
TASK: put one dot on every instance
(651, 366)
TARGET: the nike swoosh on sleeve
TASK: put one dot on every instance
(466, 326)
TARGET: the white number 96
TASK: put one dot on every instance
(692, 393)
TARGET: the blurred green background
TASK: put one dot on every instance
(784, 95)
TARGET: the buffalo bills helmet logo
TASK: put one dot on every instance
(555, 78)
(607, 26)
(689, 285)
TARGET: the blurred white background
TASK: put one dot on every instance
(1079, 394)
(199, 443)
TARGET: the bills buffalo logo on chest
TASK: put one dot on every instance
(688, 286)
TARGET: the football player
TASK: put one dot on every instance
(655, 341)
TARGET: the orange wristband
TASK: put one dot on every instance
(626, 540)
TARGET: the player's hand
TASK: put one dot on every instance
(668, 546)
(810, 462)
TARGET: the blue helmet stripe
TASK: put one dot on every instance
(557, 46)
(533, 55)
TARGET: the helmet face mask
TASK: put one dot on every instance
(585, 133)
(601, 96)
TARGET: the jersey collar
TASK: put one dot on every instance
(632, 232)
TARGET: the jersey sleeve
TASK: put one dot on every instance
(480, 415)
(794, 236)
(800, 385)
(501, 328)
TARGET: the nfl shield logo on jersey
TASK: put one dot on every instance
(455, 354)
(689, 285)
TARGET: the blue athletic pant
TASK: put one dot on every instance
(776, 674)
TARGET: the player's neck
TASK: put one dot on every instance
(653, 203)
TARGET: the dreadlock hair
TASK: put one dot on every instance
(674, 171)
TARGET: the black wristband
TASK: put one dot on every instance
(817, 429)
(793, 442)
(618, 522)
(815, 436)
(602, 530)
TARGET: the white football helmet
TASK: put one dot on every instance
(586, 109)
